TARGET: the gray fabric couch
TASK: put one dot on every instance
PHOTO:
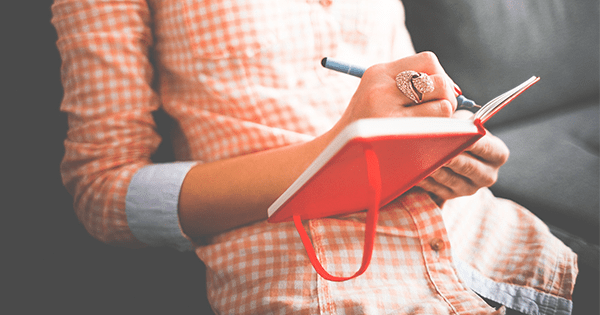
(552, 129)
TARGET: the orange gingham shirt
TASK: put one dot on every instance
(244, 76)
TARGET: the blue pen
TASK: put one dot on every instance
(357, 71)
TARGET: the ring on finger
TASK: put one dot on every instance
(414, 85)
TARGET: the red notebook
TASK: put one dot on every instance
(372, 162)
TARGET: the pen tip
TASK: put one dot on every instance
(323, 61)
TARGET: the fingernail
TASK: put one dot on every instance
(457, 90)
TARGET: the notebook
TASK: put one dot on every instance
(372, 162)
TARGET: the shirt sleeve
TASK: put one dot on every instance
(108, 97)
(151, 205)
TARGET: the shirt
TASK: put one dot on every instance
(244, 76)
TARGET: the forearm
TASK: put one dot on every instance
(222, 195)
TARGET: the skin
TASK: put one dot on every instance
(473, 169)
(223, 195)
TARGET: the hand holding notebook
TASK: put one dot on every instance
(476, 167)
(373, 161)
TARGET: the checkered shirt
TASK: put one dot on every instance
(244, 76)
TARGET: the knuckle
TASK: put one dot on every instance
(486, 149)
(466, 189)
(447, 194)
(374, 69)
(505, 154)
(379, 67)
(429, 56)
(445, 177)
(446, 108)
(453, 163)
(495, 150)
(427, 183)
(490, 179)
(442, 176)
(471, 190)
(467, 168)
(445, 90)
(442, 82)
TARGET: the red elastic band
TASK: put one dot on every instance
(374, 177)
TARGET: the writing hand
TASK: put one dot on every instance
(378, 96)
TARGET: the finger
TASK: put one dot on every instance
(491, 150)
(426, 62)
(381, 84)
(443, 86)
(435, 188)
(443, 90)
(478, 172)
(463, 114)
(459, 184)
(437, 108)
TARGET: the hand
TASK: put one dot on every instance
(378, 96)
(465, 174)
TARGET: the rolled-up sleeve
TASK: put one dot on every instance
(151, 205)
(108, 97)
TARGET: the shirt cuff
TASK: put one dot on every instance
(151, 205)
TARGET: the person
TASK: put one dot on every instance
(252, 108)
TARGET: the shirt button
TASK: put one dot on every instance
(437, 244)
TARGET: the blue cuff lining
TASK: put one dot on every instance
(522, 299)
(151, 205)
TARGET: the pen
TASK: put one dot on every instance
(357, 71)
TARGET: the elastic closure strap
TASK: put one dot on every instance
(374, 178)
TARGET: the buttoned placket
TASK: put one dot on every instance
(437, 257)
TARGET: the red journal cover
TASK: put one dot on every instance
(406, 155)
(373, 161)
